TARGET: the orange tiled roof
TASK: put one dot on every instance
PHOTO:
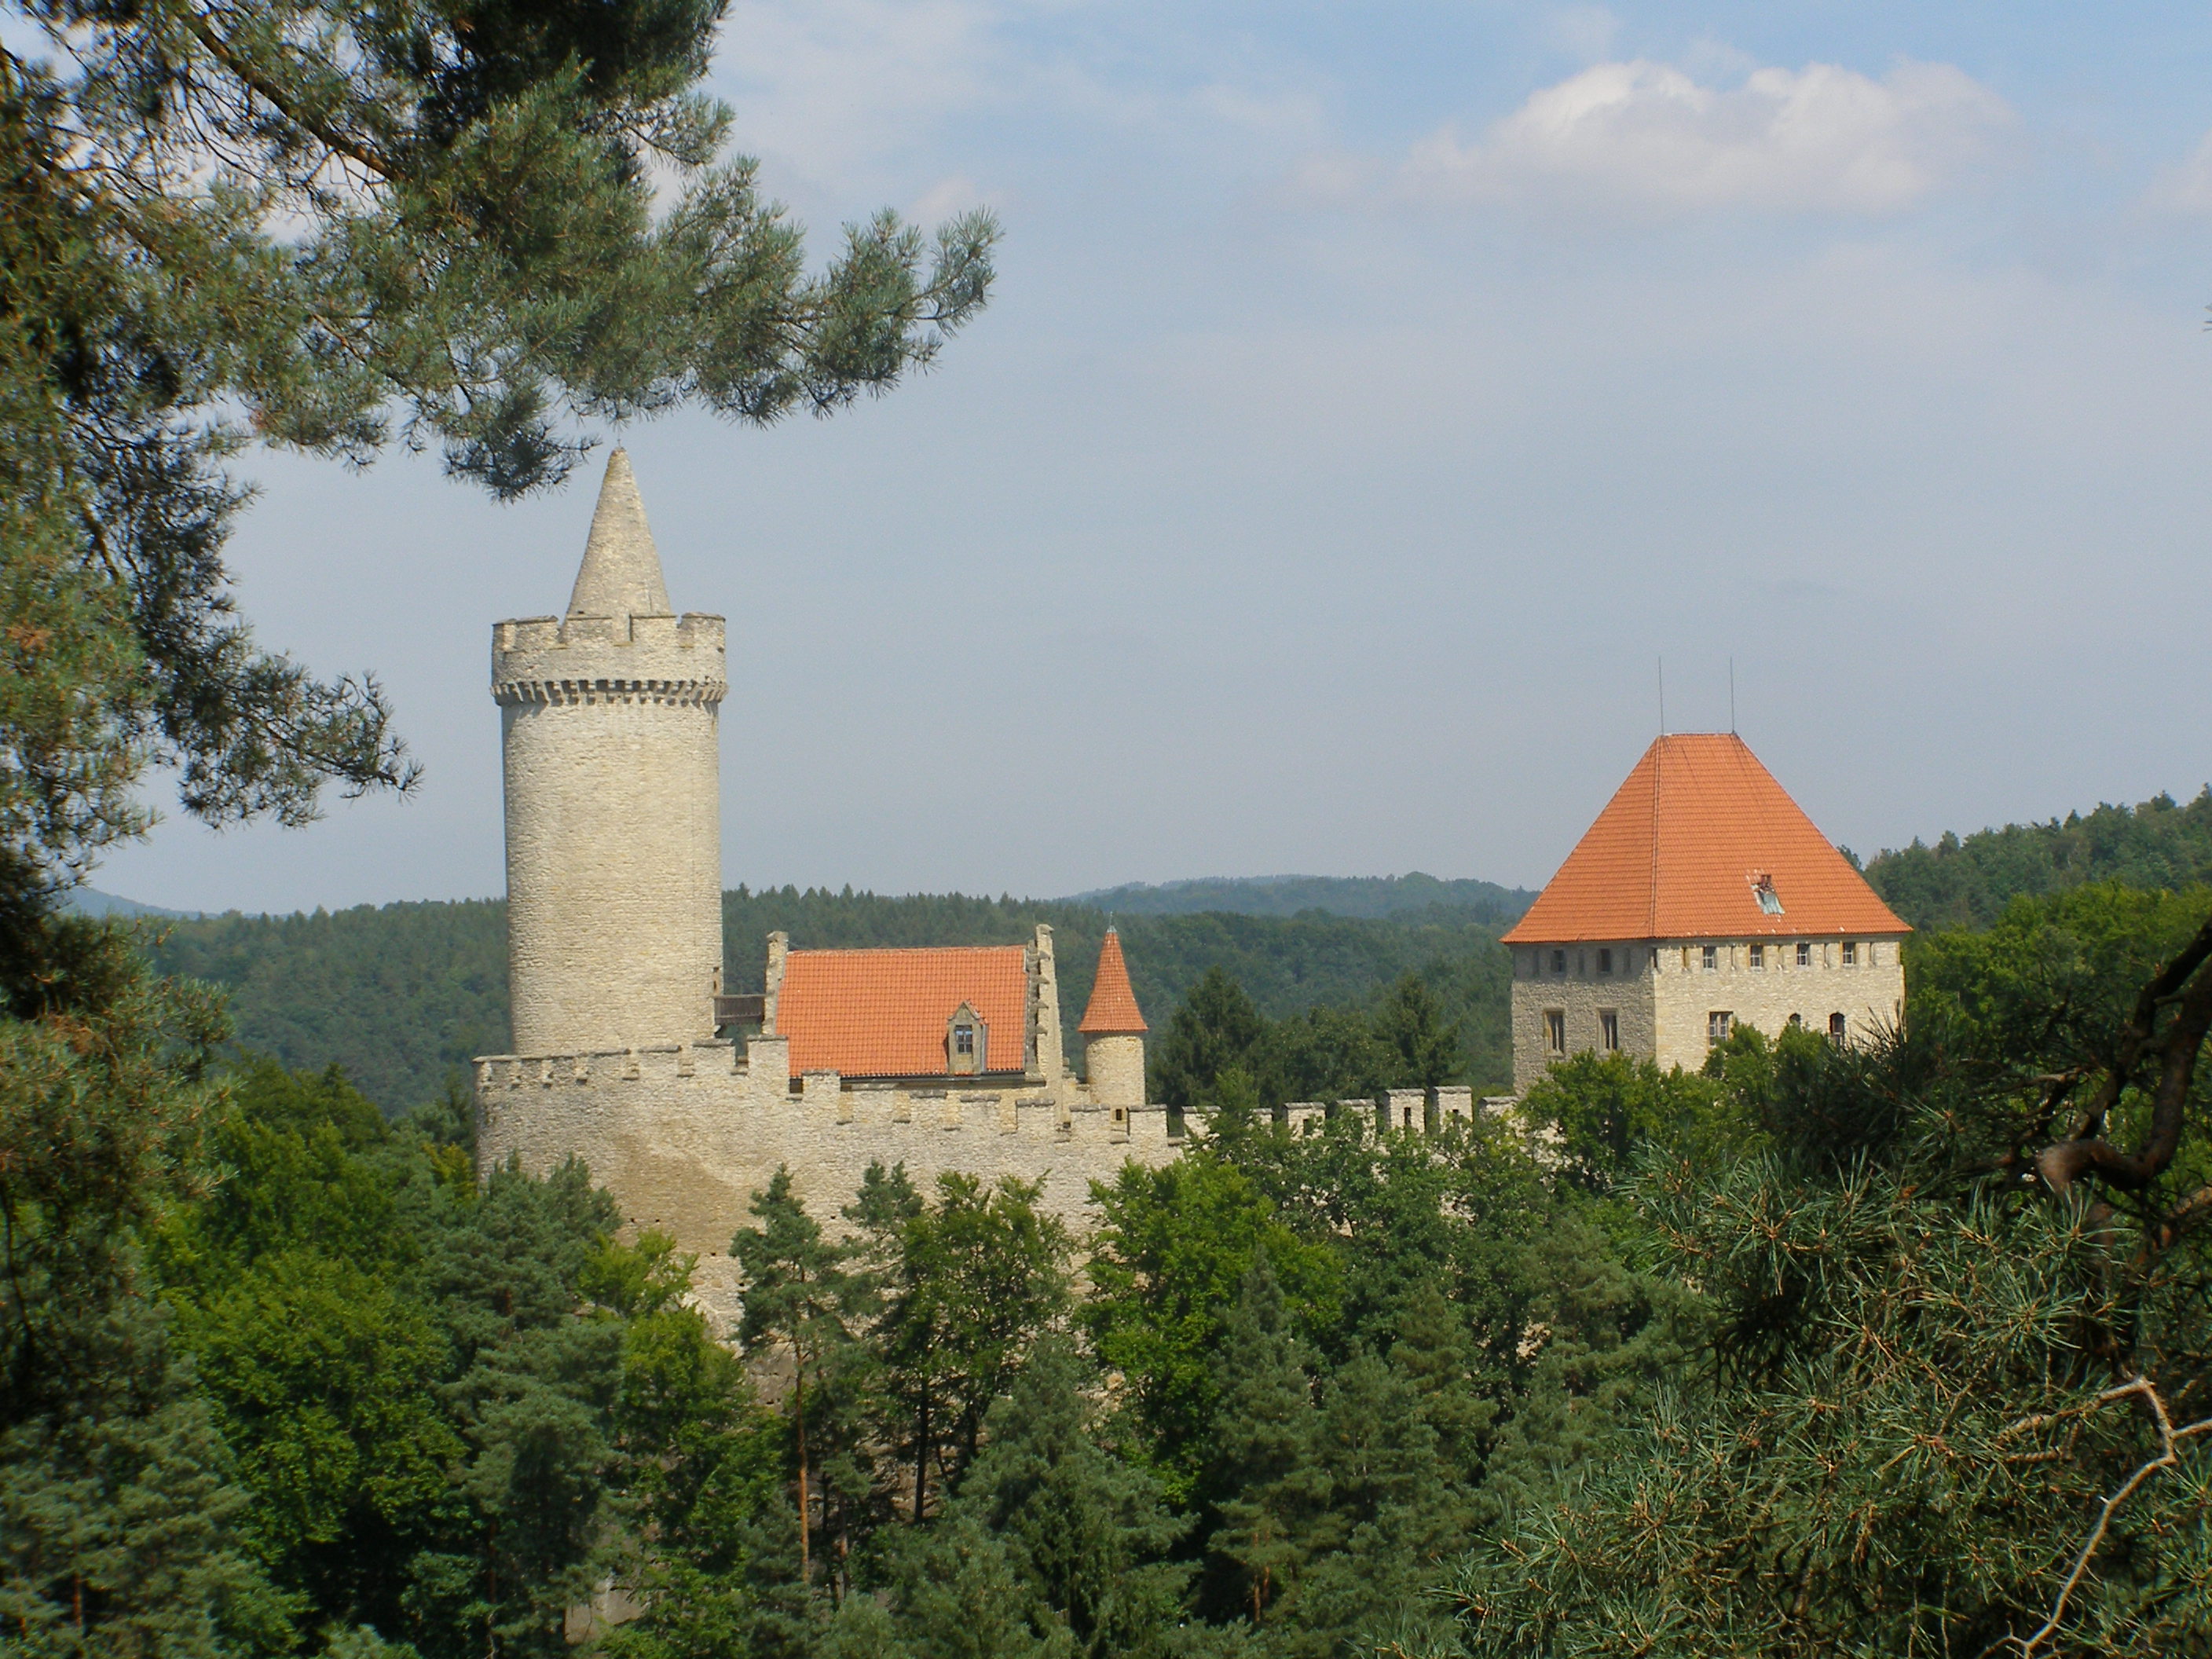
(883, 1013)
(1113, 1008)
(1680, 850)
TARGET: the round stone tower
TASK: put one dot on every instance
(1113, 1030)
(608, 720)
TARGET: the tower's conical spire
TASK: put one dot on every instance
(621, 573)
(1112, 1007)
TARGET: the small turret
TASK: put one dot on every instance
(1113, 1030)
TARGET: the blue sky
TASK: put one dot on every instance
(1373, 396)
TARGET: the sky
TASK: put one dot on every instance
(1377, 403)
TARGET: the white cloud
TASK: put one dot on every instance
(1647, 138)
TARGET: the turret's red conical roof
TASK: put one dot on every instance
(1112, 1010)
(1701, 843)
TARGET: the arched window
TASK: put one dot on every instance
(1836, 1029)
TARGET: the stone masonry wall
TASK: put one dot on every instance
(613, 827)
(1868, 994)
(1665, 1003)
(1583, 994)
(684, 1135)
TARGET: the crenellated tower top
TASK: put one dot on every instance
(621, 640)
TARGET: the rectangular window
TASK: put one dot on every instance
(1555, 1030)
(1608, 1029)
(1558, 962)
(1604, 962)
(1718, 1025)
(1758, 956)
(1850, 953)
(1712, 958)
(964, 1039)
(1804, 956)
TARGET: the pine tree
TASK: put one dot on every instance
(1267, 1477)
(800, 1297)
(1083, 1533)
(295, 221)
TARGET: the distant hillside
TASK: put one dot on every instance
(402, 996)
(1370, 896)
(91, 902)
(1965, 883)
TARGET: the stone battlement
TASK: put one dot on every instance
(608, 659)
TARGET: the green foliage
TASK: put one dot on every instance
(298, 221)
(1607, 1109)
(402, 997)
(1967, 883)
(119, 1508)
(1906, 1445)
(1918, 1403)
(968, 1284)
(1168, 1260)
(1221, 1055)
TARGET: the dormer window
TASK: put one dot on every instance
(966, 1041)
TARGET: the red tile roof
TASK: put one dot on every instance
(883, 1013)
(1682, 849)
(1112, 1010)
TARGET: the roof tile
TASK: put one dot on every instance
(1683, 848)
(883, 1013)
(1112, 1010)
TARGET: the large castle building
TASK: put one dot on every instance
(1703, 898)
(683, 1096)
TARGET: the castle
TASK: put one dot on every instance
(684, 1097)
(1701, 897)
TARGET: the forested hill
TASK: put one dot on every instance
(1370, 896)
(1965, 883)
(402, 996)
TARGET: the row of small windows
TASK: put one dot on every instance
(1719, 1025)
(1852, 953)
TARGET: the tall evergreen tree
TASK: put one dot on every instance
(801, 1297)
(1268, 1482)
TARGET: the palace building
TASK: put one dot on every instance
(1703, 898)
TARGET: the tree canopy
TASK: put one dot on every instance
(332, 226)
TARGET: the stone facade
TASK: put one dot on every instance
(1663, 997)
(614, 879)
(684, 1134)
